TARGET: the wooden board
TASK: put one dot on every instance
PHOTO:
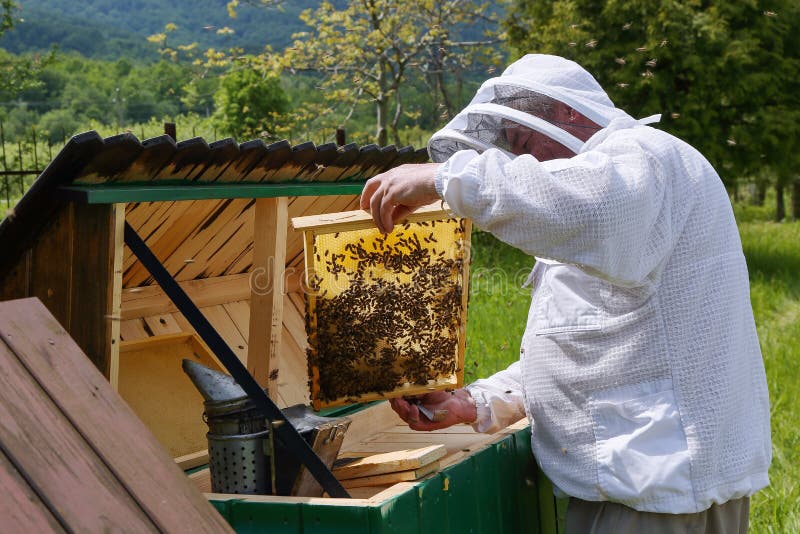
(153, 383)
(378, 464)
(104, 432)
(391, 478)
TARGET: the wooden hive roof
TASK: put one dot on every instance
(123, 169)
(75, 458)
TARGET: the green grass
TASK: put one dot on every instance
(498, 309)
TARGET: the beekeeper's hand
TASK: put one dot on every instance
(392, 195)
(459, 405)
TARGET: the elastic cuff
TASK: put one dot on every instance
(483, 421)
(437, 182)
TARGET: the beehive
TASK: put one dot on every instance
(386, 313)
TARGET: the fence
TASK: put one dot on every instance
(20, 163)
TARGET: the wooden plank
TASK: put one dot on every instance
(240, 315)
(226, 328)
(162, 324)
(102, 417)
(391, 478)
(291, 374)
(21, 508)
(96, 240)
(51, 265)
(266, 297)
(378, 464)
(155, 342)
(361, 220)
(16, 283)
(176, 231)
(152, 220)
(55, 457)
(132, 329)
(190, 461)
(116, 293)
(220, 242)
(151, 300)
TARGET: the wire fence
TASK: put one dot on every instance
(21, 161)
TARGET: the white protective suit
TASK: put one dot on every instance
(640, 369)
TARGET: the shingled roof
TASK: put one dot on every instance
(123, 169)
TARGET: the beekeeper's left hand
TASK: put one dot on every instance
(392, 195)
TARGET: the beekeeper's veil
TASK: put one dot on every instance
(523, 99)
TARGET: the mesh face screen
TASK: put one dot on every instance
(385, 312)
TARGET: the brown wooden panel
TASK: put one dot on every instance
(218, 243)
(175, 232)
(104, 419)
(222, 154)
(117, 154)
(53, 454)
(157, 151)
(16, 283)
(151, 300)
(51, 265)
(95, 239)
(189, 158)
(276, 154)
(21, 509)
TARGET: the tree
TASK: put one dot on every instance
(724, 74)
(367, 49)
(249, 103)
(19, 73)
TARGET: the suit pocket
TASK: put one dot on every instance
(567, 301)
(642, 454)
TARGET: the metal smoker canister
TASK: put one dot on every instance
(238, 435)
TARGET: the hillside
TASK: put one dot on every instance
(109, 29)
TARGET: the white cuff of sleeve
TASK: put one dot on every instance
(483, 421)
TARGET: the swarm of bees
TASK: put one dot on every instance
(385, 312)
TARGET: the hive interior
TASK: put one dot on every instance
(386, 313)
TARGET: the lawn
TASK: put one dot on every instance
(498, 309)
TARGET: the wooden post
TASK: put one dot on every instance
(340, 137)
(97, 281)
(170, 130)
(266, 290)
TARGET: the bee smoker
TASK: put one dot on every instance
(243, 456)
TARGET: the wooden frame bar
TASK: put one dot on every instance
(266, 289)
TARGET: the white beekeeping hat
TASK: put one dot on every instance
(521, 99)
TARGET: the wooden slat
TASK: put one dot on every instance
(226, 328)
(157, 151)
(148, 219)
(239, 312)
(102, 417)
(391, 478)
(97, 238)
(151, 300)
(266, 297)
(16, 283)
(378, 464)
(54, 455)
(224, 242)
(118, 153)
(360, 220)
(21, 508)
(175, 233)
(51, 265)
(292, 373)
(162, 324)
(132, 329)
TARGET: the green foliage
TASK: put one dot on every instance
(366, 51)
(250, 104)
(109, 29)
(725, 75)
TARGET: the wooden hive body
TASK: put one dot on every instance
(218, 217)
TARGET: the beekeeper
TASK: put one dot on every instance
(640, 369)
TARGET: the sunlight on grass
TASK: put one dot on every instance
(498, 310)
